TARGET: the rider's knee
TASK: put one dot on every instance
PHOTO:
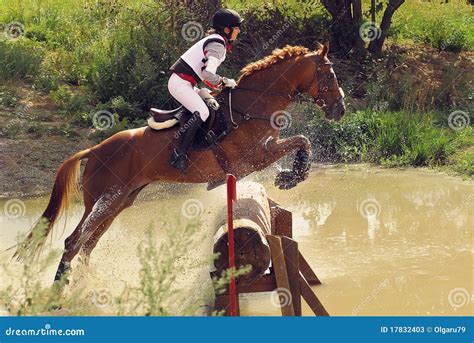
(204, 113)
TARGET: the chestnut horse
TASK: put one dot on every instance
(121, 166)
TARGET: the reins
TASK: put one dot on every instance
(247, 116)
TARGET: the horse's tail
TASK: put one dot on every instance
(65, 186)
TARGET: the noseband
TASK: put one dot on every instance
(323, 88)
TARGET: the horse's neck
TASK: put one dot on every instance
(263, 95)
(271, 79)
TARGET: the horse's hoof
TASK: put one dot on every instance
(304, 176)
(286, 179)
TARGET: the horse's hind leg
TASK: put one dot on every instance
(92, 242)
(104, 208)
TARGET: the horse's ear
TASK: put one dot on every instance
(325, 49)
(319, 46)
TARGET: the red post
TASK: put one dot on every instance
(231, 196)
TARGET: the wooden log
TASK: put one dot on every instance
(251, 223)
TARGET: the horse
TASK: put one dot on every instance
(118, 168)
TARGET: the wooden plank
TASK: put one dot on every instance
(291, 253)
(307, 272)
(273, 207)
(281, 275)
(282, 221)
(311, 298)
(266, 283)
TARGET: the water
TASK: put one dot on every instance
(383, 242)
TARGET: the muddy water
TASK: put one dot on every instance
(383, 242)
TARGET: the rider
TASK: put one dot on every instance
(199, 63)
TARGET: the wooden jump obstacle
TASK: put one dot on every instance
(262, 231)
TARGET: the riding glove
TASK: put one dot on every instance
(229, 82)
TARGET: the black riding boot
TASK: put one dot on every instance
(179, 158)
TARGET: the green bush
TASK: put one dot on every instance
(392, 139)
(70, 102)
(133, 61)
(19, 59)
(8, 98)
(445, 35)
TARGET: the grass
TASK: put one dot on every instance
(20, 59)
(8, 97)
(447, 26)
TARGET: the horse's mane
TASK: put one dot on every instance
(274, 57)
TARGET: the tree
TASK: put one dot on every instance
(347, 18)
(208, 6)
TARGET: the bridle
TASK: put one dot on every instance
(323, 88)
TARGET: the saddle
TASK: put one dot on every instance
(211, 133)
(213, 130)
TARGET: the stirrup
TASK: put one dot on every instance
(179, 160)
(176, 155)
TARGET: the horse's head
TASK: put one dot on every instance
(323, 86)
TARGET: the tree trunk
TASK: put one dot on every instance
(342, 25)
(358, 45)
(375, 47)
(346, 20)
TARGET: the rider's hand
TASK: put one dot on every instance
(229, 82)
(212, 103)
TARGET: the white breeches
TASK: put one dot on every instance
(187, 96)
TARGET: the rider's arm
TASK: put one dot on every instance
(215, 54)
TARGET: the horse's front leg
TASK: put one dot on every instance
(278, 148)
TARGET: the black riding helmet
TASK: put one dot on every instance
(226, 18)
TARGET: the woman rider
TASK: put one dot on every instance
(199, 63)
